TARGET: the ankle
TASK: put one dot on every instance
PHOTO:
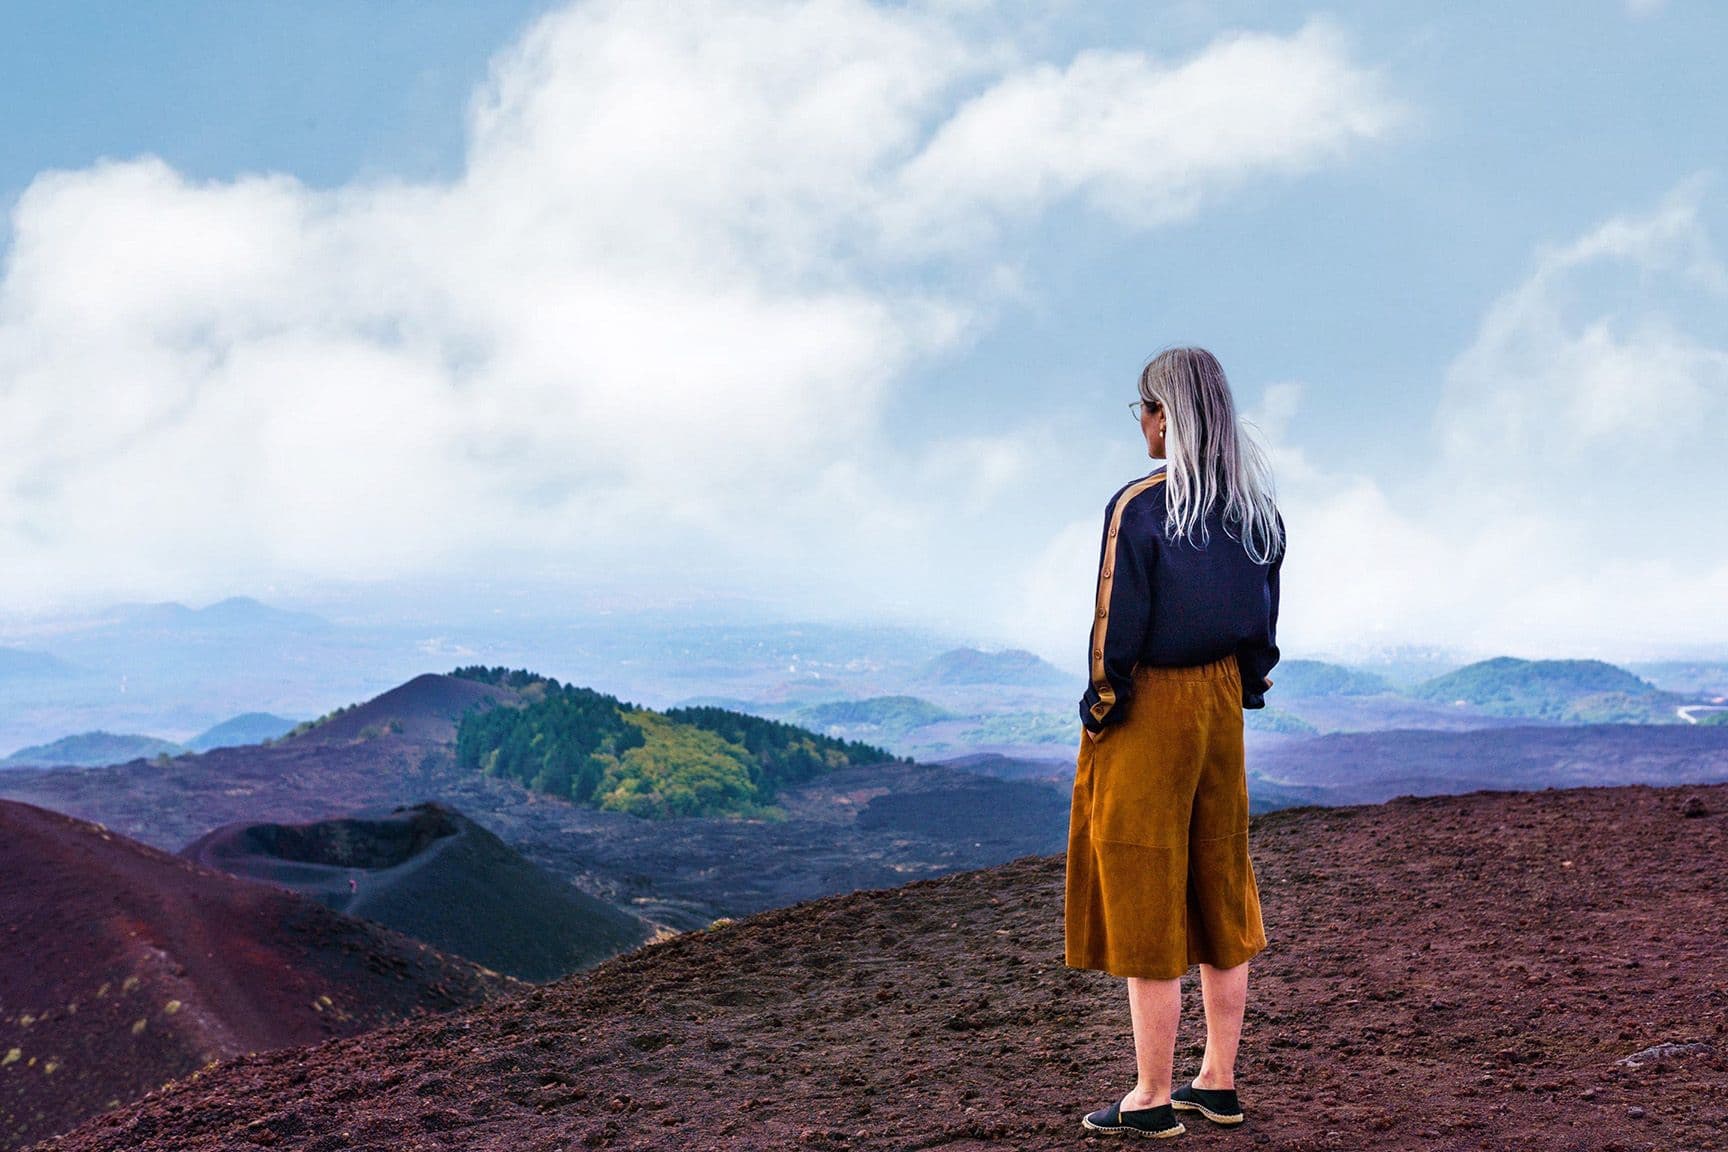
(1139, 1099)
(1214, 1082)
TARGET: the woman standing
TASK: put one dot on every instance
(1183, 634)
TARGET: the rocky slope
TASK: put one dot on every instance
(1459, 972)
(122, 966)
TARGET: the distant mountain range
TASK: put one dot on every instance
(969, 666)
(1309, 697)
(246, 728)
(26, 664)
(92, 749)
(172, 671)
(1693, 677)
(1012, 703)
(237, 613)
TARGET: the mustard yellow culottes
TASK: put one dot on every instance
(1158, 871)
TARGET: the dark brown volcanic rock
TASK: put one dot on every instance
(430, 872)
(1369, 767)
(1459, 972)
(870, 826)
(122, 966)
(425, 708)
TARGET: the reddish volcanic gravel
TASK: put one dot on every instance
(125, 966)
(1460, 972)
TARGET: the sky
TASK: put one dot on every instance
(836, 307)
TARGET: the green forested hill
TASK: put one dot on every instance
(594, 749)
(1318, 678)
(1574, 691)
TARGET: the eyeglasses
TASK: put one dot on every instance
(1139, 405)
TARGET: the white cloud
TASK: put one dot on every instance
(1143, 141)
(1586, 390)
(652, 328)
(1573, 496)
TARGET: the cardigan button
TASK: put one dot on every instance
(1102, 613)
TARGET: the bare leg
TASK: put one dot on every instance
(1156, 1007)
(1225, 992)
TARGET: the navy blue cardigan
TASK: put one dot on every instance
(1174, 603)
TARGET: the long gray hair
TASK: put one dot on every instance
(1211, 460)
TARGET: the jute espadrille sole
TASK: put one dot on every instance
(1186, 1105)
(1109, 1120)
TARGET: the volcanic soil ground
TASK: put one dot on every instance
(1455, 972)
(123, 966)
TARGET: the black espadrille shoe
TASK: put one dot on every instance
(1218, 1105)
(1155, 1123)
